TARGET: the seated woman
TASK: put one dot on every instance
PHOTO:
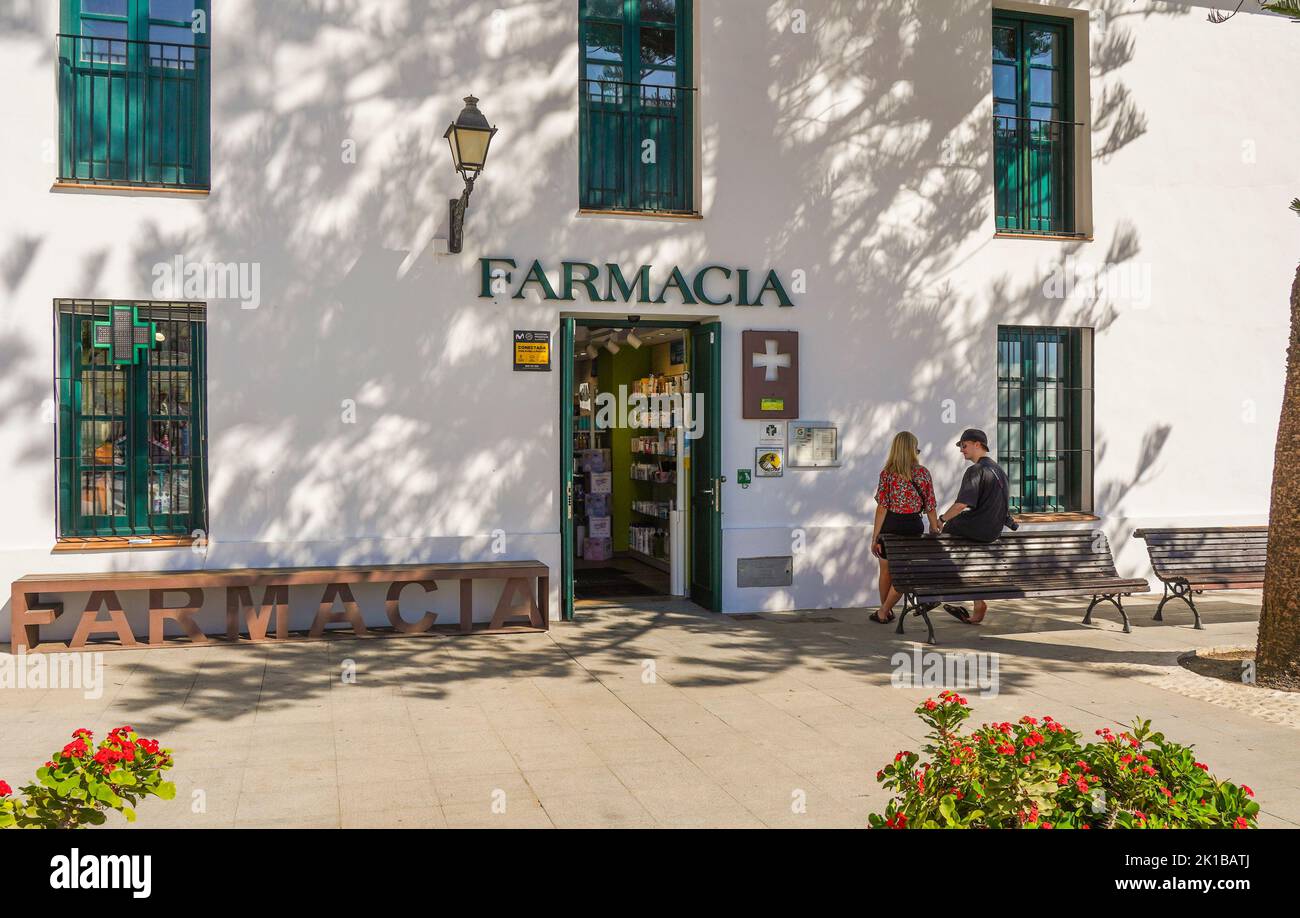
(904, 494)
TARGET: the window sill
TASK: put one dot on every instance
(1071, 517)
(139, 190)
(1051, 237)
(120, 543)
(643, 214)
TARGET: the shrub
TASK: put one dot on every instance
(1035, 775)
(82, 781)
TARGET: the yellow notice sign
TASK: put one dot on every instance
(532, 350)
(772, 404)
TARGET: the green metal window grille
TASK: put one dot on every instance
(1034, 137)
(132, 438)
(1044, 416)
(635, 105)
(133, 80)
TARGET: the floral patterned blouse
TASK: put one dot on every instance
(896, 493)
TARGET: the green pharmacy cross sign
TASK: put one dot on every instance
(124, 335)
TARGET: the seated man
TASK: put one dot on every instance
(982, 507)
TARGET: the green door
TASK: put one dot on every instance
(635, 105)
(133, 81)
(706, 468)
(567, 546)
(1033, 133)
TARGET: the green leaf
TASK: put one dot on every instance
(166, 790)
(128, 813)
(948, 809)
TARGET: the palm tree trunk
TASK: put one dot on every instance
(1277, 657)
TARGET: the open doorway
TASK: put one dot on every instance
(639, 469)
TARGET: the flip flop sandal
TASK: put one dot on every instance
(882, 621)
(958, 613)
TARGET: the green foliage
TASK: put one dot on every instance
(81, 782)
(1284, 8)
(1035, 775)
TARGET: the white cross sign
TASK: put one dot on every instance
(770, 360)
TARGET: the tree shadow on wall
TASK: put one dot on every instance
(876, 179)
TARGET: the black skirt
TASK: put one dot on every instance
(907, 524)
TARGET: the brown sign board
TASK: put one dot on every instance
(769, 366)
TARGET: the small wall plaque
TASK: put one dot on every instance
(765, 572)
(532, 351)
(814, 445)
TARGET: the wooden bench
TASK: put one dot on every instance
(1191, 561)
(30, 608)
(932, 570)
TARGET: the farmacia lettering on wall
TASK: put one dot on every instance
(711, 285)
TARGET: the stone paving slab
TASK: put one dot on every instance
(778, 721)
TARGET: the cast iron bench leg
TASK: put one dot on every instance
(1179, 589)
(1158, 617)
(1115, 599)
(924, 612)
(902, 615)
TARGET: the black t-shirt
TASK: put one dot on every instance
(984, 491)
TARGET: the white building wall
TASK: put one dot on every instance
(858, 152)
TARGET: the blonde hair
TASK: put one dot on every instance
(902, 459)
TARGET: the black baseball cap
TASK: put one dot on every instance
(974, 435)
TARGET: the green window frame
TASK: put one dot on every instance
(1035, 138)
(636, 106)
(134, 92)
(132, 431)
(1045, 403)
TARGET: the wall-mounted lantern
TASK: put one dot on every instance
(469, 137)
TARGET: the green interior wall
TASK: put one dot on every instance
(612, 371)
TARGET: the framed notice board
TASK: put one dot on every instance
(532, 351)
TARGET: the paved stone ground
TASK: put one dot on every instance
(743, 717)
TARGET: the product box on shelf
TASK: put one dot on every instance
(600, 482)
(598, 549)
(597, 505)
(598, 527)
(593, 460)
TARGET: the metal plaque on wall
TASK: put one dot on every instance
(765, 572)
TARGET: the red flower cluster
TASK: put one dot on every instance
(76, 749)
(5, 789)
(897, 821)
(951, 697)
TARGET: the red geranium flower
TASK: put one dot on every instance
(5, 789)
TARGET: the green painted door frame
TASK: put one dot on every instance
(567, 546)
(704, 535)
(705, 360)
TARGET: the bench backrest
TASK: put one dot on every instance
(934, 564)
(1191, 553)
